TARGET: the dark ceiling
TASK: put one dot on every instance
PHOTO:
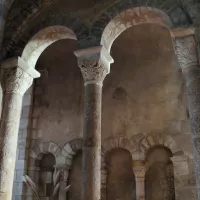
(87, 18)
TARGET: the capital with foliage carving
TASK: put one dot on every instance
(17, 76)
(94, 64)
(185, 47)
(139, 169)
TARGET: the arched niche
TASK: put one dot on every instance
(159, 179)
(46, 164)
(120, 178)
(75, 177)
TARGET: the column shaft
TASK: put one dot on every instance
(9, 136)
(140, 188)
(95, 65)
(92, 143)
(17, 78)
(192, 81)
(186, 51)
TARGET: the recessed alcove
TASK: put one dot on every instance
(120, 178)
(159, 180)
(75, 178)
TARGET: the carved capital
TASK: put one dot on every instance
(185, 48)
(17, 76)
(139, 169)
(94, 64)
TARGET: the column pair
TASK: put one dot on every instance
(17, 77)
(95, 65)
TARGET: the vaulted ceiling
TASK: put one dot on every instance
(87, 18)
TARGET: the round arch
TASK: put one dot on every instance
(44, 38)
(40, 149)
(108, 145)
(157, 139)
(118, 142)
(112, 143)
(132, 17)
(69, 150)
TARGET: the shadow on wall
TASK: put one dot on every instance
(159, 181)
(75, 178)
(120, 179)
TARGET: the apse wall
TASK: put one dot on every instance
(142, 94)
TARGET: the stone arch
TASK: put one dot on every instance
(118, 142)
(132, 17)
(112, 143)
(69, 150)
(157, 139)
(40, 149)
(44, 38)
(179, 159)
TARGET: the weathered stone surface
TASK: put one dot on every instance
(95, 65)
(143, 69)
(186, 51)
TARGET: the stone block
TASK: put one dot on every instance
(37, 150)
(53, 148)
(18, 176)
(186, 193)
(22, 154)
(27, 191)
(31, 162)
(45, 198)
(25, 132)
(60, 160)
(32, 154)
(58, 153)
(26, 112)
(24, 123)
(34, 123)
(27, 100)
(19, 164)
(17, 188)
(20, 134)
(180, 165)
(68, 161)
(64, 153)
(68, 149)
(18, 197)
(44, 146)
(35, 134)
(179, 126)
(22, 143)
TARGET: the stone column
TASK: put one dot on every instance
(95, 65)
(186, 51)
(139, 170)
(63, 181)
(17, 78)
